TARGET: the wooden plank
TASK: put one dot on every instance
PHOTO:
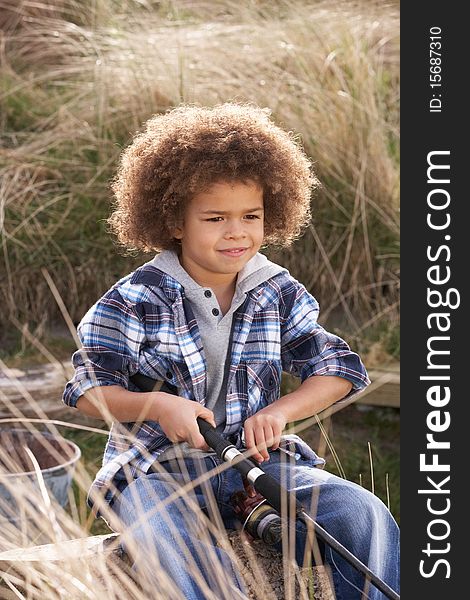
(69, 549)
(36, 393)
(384, 389)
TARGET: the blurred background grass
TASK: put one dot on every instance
(79, 78)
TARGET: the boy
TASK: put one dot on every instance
(206, 188)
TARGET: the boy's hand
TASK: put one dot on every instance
(177, 417)
(263, 430)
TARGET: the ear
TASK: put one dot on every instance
(176, 229)
(177, 233)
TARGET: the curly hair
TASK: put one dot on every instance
(184, 151)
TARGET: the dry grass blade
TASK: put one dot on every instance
(371, 463)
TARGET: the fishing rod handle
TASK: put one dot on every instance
(266, 485)
(263, 483)
(213, 439)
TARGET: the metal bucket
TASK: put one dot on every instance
(56, 457)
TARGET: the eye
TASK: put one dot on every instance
(214, 219)
(252, 217)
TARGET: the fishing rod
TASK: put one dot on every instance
(270, 488)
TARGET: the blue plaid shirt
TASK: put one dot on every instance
(145, 324)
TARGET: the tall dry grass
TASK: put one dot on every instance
(78, 79)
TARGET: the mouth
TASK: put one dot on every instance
(234, 252)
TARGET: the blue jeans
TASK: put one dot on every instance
(163, 522)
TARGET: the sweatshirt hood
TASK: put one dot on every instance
(256, 271)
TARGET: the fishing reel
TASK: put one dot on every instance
(259, 519)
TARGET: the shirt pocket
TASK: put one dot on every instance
(264, 384)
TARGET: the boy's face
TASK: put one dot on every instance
(223, 228)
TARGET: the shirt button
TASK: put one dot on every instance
(169, 375)
(207, 293)
(215, 312)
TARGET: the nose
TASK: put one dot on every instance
(235, 230)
